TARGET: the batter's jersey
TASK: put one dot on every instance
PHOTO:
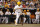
(16, 8)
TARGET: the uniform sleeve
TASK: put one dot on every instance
(6, 13)
(13, 13)
(35, 13)
(15, 7)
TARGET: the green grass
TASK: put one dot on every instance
(19, 25)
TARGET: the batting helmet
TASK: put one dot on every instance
(18, 2)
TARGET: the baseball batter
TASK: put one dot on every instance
(18, 11)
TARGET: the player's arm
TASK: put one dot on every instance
(13, 10)
(35, 13)
(6, 13)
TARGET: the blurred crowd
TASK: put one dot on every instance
(25, 4)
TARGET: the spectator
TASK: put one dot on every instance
(11, 6)
(27, 3)
(16, 0)
(38, 5)
(24, 0)
(35, 4)
(31, 3)
(9, 3)
(6, 5)
(2, 6)
(31, 7)
(37, 1)
(24, 6)
(27, 6)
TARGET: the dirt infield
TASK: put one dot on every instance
(19, 25)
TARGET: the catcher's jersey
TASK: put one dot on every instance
(16, 8)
